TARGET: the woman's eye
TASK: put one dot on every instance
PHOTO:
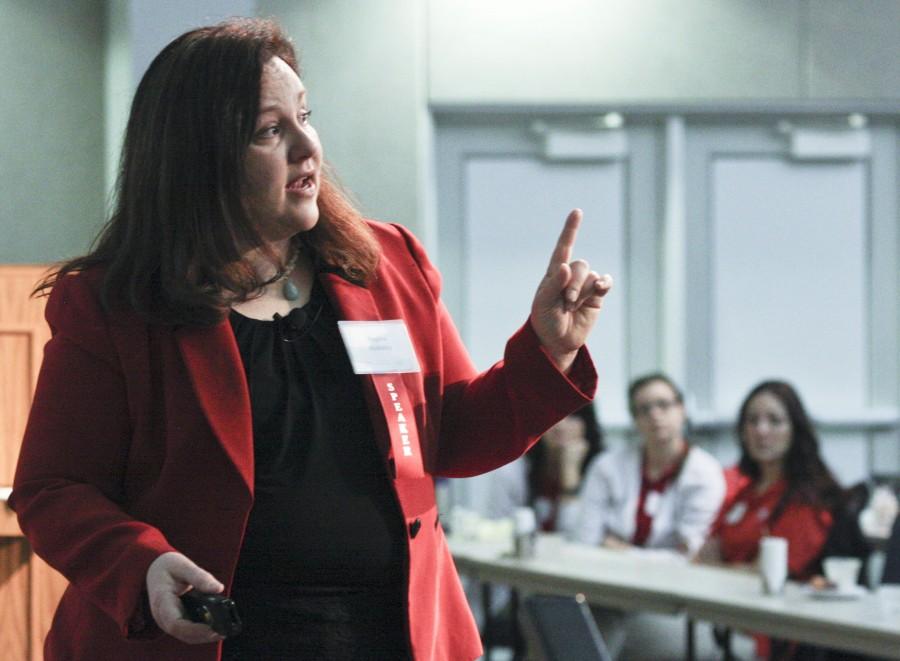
(304, 116)
(269, 131)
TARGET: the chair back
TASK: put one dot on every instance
(891, 572)
(846, 537)
(561, 629)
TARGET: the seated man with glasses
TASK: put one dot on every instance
(663, 493)
(660, 494)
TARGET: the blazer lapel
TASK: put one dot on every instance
(214, 364)
(352, 302)
(355, 303)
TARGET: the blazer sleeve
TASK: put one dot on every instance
(67, 491)
(491, 418)
(806, 529)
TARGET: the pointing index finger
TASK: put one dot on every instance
(562, 253)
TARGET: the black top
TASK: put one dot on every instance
(325, 542)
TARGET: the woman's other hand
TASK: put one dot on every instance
(169, 577)
(709, 553)
(568, 299)
(566, 449)
(615, 543)
(571, 456)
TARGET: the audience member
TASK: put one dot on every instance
(547, 478)
(663, 493)
(781, 486)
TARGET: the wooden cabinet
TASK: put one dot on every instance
(29, 588)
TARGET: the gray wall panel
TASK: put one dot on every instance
(575, 51)
(854, 49)
(51, 169)
(364, 65)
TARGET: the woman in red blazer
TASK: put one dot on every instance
(142, 469)
(781, 487)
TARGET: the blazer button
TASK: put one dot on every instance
(414, 528)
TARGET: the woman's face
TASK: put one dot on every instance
(658, 414)
(570, 429)
(767, 429)
(284, 160)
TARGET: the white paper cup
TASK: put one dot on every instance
(525, 520)
(843, 572)
(773, 564)
(889, 600)
(550, 545)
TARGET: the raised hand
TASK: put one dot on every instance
(568, 299)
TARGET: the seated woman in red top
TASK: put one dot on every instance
(781, 486)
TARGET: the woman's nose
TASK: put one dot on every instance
(303, 145)
(656, 412)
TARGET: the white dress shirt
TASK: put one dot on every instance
(681, 514)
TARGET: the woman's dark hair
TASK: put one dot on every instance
(808, 478)
(172, 247)
(647, 379)
(536, 456)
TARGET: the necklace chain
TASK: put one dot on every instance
(291, 265)
(288, 288)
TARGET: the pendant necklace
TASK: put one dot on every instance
(288, 288)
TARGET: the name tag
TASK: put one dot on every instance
(651, 503)
(736, 513)
(379, 347)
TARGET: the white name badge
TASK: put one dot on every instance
(652, 503)
(736, 513)
(379, 347)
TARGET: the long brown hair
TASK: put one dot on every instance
(808, 479)
(171, 248)
(537, 455)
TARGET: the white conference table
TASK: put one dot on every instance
(657, 582)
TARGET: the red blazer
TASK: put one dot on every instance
(744, 520)
(139, 442)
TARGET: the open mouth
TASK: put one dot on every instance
(303, 184)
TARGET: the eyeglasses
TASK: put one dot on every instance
(645, 409)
